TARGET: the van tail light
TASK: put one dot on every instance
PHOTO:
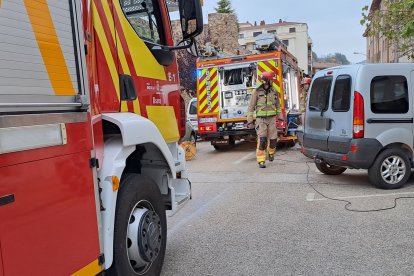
(182, 119)
(359, 116)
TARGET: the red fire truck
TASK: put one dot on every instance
(224, 89)
(90, 116)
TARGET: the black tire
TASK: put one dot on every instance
(232, 141)
(291, 143)
(329, 169)
(379, 167)
(218, 147)
(135, 190)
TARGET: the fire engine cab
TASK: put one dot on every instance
(90, 116)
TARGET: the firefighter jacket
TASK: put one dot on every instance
(265, 103)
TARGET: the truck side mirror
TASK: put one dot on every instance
(191, 18)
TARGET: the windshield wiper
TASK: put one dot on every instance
(314, 108)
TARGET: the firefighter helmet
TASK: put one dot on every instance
(267, 76)
(306, 81)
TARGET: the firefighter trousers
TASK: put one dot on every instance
(266, 137)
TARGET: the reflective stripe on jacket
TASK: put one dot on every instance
(264, 103)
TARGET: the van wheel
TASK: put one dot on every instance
(390, 170)
(140, 233)
(327, 169)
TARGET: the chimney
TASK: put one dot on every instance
(280, 21)
(262, 23)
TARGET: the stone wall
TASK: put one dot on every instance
(221, 31)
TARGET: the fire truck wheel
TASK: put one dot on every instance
(140, 233)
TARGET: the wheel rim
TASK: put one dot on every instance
(144, 237)
(393, 169)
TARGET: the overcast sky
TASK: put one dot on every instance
(333, 24)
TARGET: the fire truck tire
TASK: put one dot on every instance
(140, 231)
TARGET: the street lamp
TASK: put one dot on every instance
(358, 53)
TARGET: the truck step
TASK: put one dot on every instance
(180, 194)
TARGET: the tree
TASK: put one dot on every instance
(224, 6)
(341, 58)
(337, 58)
(395, 22)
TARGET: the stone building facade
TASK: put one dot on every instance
(294, 35)
(221, 32)
(379, 48)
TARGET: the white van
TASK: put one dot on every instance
(192, 113)
(361, 117)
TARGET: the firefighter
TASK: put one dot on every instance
(304, 92)
(265, 101)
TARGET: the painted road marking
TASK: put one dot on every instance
(244, 158)
(311, 196)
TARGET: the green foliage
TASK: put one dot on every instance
(395, 21)
(224, 6)
(337, 58)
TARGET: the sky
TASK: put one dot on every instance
(333, 24)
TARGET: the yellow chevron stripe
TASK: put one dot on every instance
(49, 46)
(214, 101)
(121, 52)
(106, 49)
(202, 105)
(91, 269)
(137, 108)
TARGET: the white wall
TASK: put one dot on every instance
(298, 41)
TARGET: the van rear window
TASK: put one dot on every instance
(193, 108)
(319, 95)
(389, 94)
(341, 98)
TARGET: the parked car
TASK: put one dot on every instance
(190, 133)
(361, 117)
(192, 113)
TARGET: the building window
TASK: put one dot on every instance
(256, 34)
(271, 31)
(241, 36)
(389, 94)
(292, 30)
(286, 42)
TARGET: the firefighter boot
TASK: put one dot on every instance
(272, 149)
(261, 152)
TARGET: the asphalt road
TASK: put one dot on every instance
(243, 220)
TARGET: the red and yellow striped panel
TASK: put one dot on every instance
(271, 66)
(208, 98)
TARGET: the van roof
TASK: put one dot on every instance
(375, 66)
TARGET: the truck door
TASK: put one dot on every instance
(48, 212)
(135, 72)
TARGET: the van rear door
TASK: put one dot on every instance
(317, 124)
(340, 114)
(329, 114)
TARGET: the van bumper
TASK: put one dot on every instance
(361, 154)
